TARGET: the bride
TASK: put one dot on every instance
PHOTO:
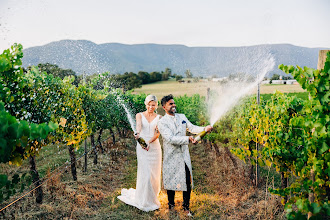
(144, 197)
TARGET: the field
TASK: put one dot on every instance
(177, 89)
(45, 120)
(222, 190)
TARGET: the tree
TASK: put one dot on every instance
(56, 71)
(165, 76)
(275, 77)
(188, 73)
(144, 76)
(155, 76)
(178, 77)
(130, 81)
(286, 77)
(168, 71)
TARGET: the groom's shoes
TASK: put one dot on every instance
(188, 213)
(170, 206)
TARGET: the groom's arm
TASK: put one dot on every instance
(169, 136)
(194, 129)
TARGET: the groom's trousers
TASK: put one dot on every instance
(186, 194)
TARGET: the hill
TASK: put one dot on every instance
(86, 56)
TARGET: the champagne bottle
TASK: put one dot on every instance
(200, 135)
(142, 142)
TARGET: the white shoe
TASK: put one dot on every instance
(189, 214)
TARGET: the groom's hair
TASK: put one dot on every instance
(166, 99)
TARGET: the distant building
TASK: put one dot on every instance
(284, 81)
(219, 79)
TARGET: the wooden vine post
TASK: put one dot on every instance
(257, 144)
(85, 165)
(322, 58)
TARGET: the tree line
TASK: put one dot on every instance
(126, 81)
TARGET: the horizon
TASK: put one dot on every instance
(166, 44)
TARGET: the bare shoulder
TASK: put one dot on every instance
(138, 115)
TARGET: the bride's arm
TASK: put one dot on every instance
(138, 124)
(156, 134)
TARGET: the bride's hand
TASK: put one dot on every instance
(136, 135)
(148, 146)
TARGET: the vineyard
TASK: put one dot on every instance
(66, 150)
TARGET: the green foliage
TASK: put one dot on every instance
(269, 125)
(126, 81)
(275, 77)
(166, 74)
(194, 107)
(50, 98)
(38, 100)
(12, 84)
(294, 135)
(130, 81)
(135, 104)
(144, 76)
(188, 74)
(14, 137)
(178, 77)
(10, 186)
(20, 139)
(56, 71)
(74, 127)
(314, 167)
(300, 95)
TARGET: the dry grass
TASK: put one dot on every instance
(178, 89)
(235, 193)
(222, 190)
(267, 89)
(162, 88)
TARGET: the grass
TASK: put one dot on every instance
(178, 89)
(162, 88)
(284, 88)
(221, 191)
(301, 95)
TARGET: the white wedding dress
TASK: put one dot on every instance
(145, 195)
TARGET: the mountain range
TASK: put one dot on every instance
(84, 56)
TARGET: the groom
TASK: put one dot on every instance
(177, 169)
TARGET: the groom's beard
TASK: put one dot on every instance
(172, 110)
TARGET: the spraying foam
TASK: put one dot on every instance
(224, 97)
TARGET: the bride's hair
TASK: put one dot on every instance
(150, 98)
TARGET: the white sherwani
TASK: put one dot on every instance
(176, 152)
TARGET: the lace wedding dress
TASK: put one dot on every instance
(144, 197)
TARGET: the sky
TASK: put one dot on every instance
(189, 22)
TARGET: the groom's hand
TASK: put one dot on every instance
(208, 128)
(192, 140)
